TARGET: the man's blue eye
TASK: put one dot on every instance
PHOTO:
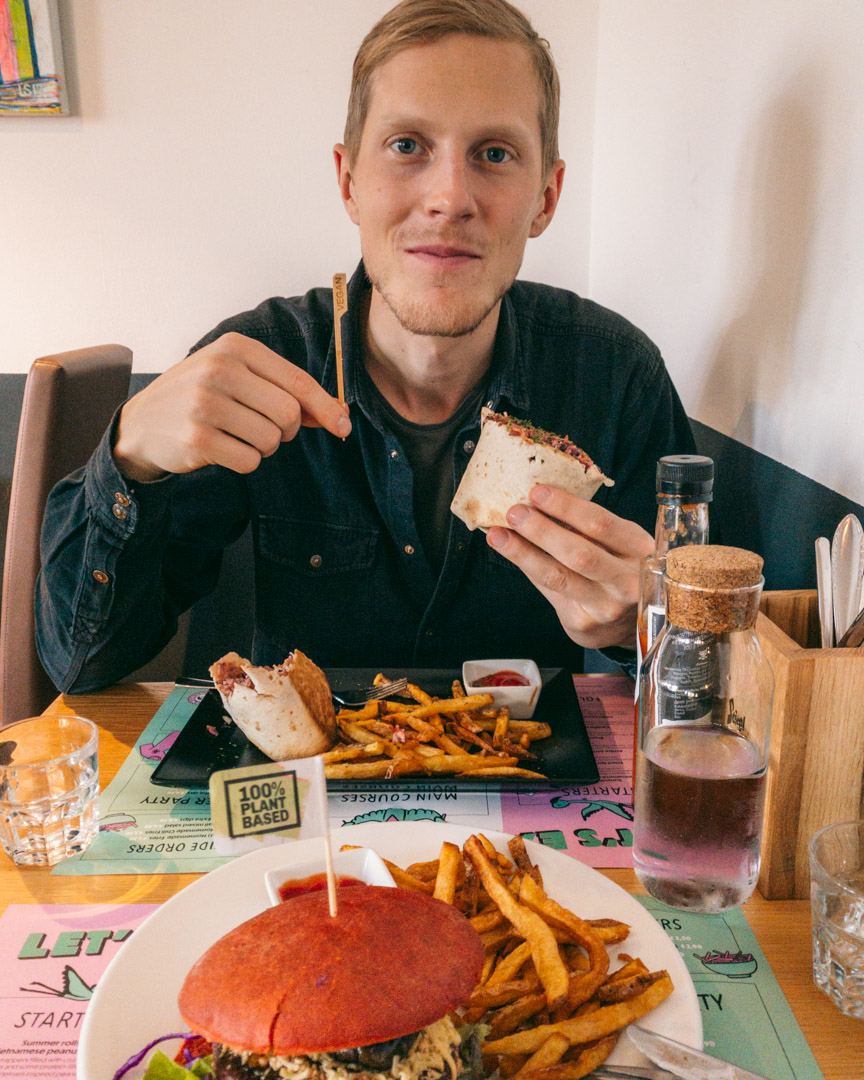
(496, 154)
(406, 146)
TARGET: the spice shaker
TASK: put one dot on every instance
(705, 704)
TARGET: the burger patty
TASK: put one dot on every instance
(434, 1055)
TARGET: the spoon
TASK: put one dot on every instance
(847, 566)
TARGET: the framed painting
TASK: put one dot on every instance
(31, 59)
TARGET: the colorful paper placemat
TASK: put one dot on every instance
(51, 958)
(746, 1018)
(594, 822)
(145, 829)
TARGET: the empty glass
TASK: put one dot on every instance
(837, 898)
(49, 781)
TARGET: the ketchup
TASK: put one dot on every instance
(316, 883)
(502, 678)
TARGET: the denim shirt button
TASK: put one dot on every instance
(409, 549)
(124, 500)
(316, 561)
(101, 577)
(460, 546)
(119, 512)
(468, 446)
(394, 454)
(429, 634)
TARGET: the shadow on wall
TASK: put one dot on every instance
(759, 503)
(767, 507)
(770, 244)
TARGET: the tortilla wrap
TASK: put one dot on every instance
(287, 712)
(510, 458)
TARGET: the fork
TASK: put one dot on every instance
(372, 693)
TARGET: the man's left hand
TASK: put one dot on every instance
(583, 559)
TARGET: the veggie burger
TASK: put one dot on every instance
(295, 994)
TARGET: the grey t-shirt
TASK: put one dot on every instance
(429, 449)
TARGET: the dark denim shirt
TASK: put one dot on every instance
(340, 571)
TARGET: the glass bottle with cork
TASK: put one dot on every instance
(704, 723)
(685, 484)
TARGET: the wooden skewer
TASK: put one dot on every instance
(340, 306)
(328, 851)
(331, 876)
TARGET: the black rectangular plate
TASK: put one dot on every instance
(565, 758)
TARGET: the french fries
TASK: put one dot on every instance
(448, 870)
(457, 736)
(553, 1007)
(581, 1029)
(544, 948)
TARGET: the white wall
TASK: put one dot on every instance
(714, 192)
(195, 178)
(728, 214)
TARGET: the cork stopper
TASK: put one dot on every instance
(713, 588)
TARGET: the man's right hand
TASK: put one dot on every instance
(231, 403)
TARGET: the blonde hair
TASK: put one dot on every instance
(422, 22)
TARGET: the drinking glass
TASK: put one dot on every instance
(49, 781)
(837, 899)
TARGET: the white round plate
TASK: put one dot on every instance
(135, 1000)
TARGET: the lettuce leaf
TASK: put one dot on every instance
(162, 1067)
(473, 1036)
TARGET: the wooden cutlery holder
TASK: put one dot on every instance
(816, 766)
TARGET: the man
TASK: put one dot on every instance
(450, 164)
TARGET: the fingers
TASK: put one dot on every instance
(582, 558)
(231, 403)
(317, 407)
(217, 448)
(234, 383)
(557, 581)
(616, 534)
(229, 417)
(591, 614)
(576, 553)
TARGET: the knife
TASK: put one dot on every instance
(847, 565)
(823, 585)
(683, 1060)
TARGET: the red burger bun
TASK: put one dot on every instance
(295, 981)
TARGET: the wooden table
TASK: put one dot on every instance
(782, 926)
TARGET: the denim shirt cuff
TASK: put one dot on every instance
(125, 507)
(623, 657)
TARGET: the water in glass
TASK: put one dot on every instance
(837, 899)
(49, 782)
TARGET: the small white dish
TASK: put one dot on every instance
(520, 700)
(362, 863)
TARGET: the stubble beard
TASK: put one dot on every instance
(426, 320)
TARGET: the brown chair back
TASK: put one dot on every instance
(69, 400)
